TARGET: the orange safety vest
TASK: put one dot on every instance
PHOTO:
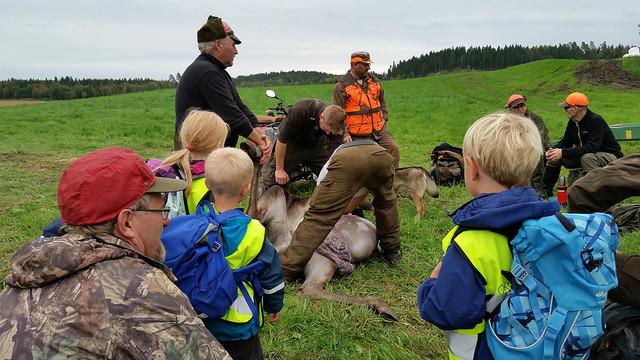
(364, 113)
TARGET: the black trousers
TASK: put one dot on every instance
(249, 349)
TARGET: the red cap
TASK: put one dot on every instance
(515, 99)
(97, 186)
(575, 99)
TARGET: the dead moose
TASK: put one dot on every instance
(352, 235)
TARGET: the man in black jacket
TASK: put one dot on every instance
(207, 85)
(308, 136)
(588, 142)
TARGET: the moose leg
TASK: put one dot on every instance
(319, 270)
(419, 202)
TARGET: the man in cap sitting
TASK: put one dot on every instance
(361, 96)
(100, 290)
(206, 84)
(587, 143)
(517, 104)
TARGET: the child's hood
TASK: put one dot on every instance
(233, 231)
(504, 209)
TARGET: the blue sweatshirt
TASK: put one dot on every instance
(456, 298)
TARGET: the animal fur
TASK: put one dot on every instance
(281, 218)
(418, 181)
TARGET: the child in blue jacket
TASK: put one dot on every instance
(500, 153)
(228, 173)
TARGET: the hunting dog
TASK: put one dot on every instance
(418, 181)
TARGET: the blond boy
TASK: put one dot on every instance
(501, 152)
(228, 173)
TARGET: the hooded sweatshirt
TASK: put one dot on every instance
(78, 296)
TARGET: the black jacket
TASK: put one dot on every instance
(207, 85)
(589, 135)
(301, 127)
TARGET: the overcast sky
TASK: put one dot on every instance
(135, 38)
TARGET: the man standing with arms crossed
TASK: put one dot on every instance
(207, 85)
(361, 96)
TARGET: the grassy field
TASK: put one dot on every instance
(631, 64)
(13, 102)
(38, 141)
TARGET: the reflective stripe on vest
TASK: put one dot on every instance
(461, 346)
(198, 191)
(247, 250)
(363, 108)
(488, 252)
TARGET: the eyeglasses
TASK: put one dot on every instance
(164, 212)
(567, 107)
(518, 106)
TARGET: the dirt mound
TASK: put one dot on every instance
(607, 72)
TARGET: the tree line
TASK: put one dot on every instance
(450, 59)
(285, 78)
(490, 58)
(66, 87)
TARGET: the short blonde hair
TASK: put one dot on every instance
(335, 117)
(506, 146)
(227, 170)
(201, 133)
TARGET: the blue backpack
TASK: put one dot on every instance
(563, 266)
(195, 256)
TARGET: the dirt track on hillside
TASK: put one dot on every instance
(607, 72)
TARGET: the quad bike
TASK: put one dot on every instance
(278, 111)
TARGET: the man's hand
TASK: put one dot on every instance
(346, 138)
(554, 155)
(282, 177)
(265, 147)
(274, 317)
(436, 270)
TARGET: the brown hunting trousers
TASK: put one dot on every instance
(604, 187)
(349, 169)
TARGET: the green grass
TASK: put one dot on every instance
(37, 141)
(631, 65)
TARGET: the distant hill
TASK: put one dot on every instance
(446, 60)
(286, 78)
(490, 58)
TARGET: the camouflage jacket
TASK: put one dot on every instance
(95, 297)
(542, 129)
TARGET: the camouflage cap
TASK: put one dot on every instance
(215, 29)
(361, 56)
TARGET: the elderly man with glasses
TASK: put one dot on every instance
(588, 143)
(517, 104)
(100, 290)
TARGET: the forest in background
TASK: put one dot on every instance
(446, 60)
